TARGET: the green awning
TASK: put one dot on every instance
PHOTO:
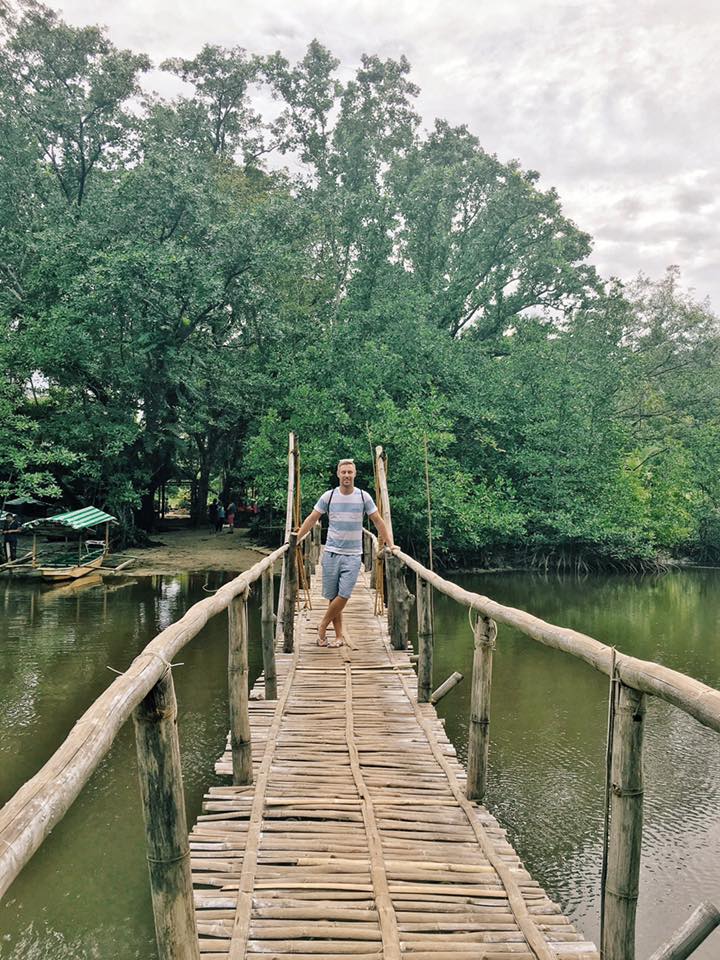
(74, 520)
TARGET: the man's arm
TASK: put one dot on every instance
(382, 529)
(308, 523)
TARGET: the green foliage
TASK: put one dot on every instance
(169, 310)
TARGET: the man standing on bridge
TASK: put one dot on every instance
(342, 556)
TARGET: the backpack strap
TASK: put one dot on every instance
(332, 493)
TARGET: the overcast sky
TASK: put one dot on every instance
(615, 103)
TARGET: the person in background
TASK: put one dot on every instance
(231, 511)
(212, 514)
(11, 527)
(220, 518)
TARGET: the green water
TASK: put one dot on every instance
(85, 895)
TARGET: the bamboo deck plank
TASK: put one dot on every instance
(355, 839)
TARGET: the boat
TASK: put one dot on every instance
(56, 562)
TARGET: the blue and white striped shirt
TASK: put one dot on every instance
(345, 520)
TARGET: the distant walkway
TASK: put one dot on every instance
(355, 839)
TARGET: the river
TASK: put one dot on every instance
(84, 894)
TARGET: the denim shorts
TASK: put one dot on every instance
(340, 573)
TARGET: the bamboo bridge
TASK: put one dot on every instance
(349, 829)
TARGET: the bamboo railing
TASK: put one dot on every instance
(146, 692)
(632, 681)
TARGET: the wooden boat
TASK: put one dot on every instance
(72, 572)
(61, 565)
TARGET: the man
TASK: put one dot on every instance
(342, 557)
(11, 527)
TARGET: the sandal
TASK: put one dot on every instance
(322, 641)
(337, 642)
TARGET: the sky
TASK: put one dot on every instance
(615, 103)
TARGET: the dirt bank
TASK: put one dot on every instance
(196, 550)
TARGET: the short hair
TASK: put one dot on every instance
(341, 463)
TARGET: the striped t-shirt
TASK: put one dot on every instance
(345, 520)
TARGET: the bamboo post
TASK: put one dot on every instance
(307, 559)
(367, 552)
(626, 821)
(292, 455)
(479, 728)
(399, 602)
(317, 543)
(691, 934)
(399, 597)
(267, 626)
(423, 592)
(445, 687)
(238, 690)
(161, 789)
(383, 498)
(291, 588)
(311, 551)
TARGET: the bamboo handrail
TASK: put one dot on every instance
(30, 815)
(694, 697)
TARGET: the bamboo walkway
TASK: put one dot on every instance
(355, 839)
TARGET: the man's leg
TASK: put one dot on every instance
(349, 571)
(330, 576)
(333, 615)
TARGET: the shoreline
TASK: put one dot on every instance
(179, 550)
(195, 551)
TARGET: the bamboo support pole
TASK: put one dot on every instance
(311, 552)
(626, 821)
(399, 603)
(239, 691)
(423, 594)
(161, 789)
(393, 574)
(479, 729)
(687, 938)
(291, 589)
(292, 455)
(452, 681)
(267, 627)
(316, 544)
(307, 560)
(367, 551)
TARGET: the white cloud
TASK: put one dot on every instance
(613, 103)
